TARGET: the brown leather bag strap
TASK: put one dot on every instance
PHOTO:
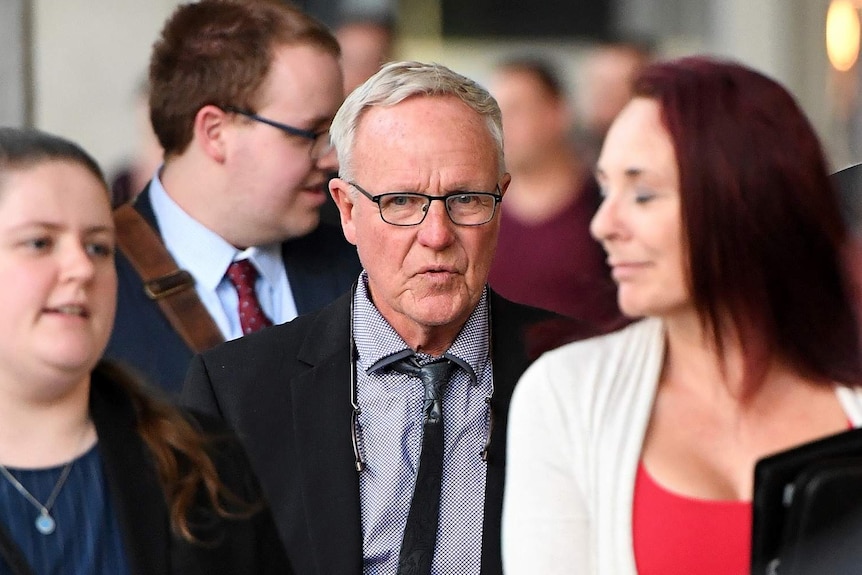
(164, 283)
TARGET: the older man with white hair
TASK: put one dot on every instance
(377, 426)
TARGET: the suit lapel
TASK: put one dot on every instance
(321, 413)
(321, 416)
(134, 487)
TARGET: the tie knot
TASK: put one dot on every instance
(433, 375)
(437, 371)
(242, 274)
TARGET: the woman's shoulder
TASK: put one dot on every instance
(610, 365)
(639, 337)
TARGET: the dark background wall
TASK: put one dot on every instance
(526, 18)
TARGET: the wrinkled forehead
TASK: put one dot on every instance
(440, 129)
(425, 134)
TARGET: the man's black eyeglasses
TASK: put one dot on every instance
(410, 209)
(321, 144)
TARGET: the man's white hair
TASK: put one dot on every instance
(397, 81)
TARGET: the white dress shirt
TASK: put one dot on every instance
(206, 256)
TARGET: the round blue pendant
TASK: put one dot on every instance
(45, 524)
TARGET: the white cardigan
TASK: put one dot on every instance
(576, 428)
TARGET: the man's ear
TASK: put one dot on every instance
(504, 183)
(209, 132)
(340, 192)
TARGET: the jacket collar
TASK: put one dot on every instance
(322, 412)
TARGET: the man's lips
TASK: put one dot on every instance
(318, 187)
(438, 270)
(316, 193)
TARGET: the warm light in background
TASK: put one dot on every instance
(842, 34)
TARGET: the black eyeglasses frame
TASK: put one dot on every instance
(498, 197)
(286, 128)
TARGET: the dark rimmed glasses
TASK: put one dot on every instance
(321, 144)
(410, 209)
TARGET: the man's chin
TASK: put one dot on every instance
(441, 309)
(309, 225)
(304, 225)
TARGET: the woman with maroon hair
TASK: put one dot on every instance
(634, 452)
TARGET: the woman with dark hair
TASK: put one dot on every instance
(96, 475)
(634, 452)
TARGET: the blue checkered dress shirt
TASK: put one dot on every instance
(390, 440)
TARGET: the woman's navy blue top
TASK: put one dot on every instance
(87, 538)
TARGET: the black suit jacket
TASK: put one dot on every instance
(285, 390)
(242, 546)
(320, 267)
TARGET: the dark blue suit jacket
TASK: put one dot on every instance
(320, 267)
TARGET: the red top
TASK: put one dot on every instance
(674, 534)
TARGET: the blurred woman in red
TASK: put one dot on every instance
(634, 452)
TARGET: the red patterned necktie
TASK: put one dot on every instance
(242, 275)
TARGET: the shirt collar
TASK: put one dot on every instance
(378, 344)
(201, 251)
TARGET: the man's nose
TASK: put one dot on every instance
(437, 229)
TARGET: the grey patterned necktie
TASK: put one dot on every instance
(420, 533)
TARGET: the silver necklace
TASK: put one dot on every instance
(45, 523)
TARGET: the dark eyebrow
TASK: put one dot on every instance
(101, 229)
(632, 173)
(54, 226)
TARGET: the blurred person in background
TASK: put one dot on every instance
(607, 73)
(546, 256)
(367, 41)
(96, 474)
(634, 452)
(366, 38)
(241, 98)
(128, 181)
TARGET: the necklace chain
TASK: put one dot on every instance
(45, 523)
(46, 508)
